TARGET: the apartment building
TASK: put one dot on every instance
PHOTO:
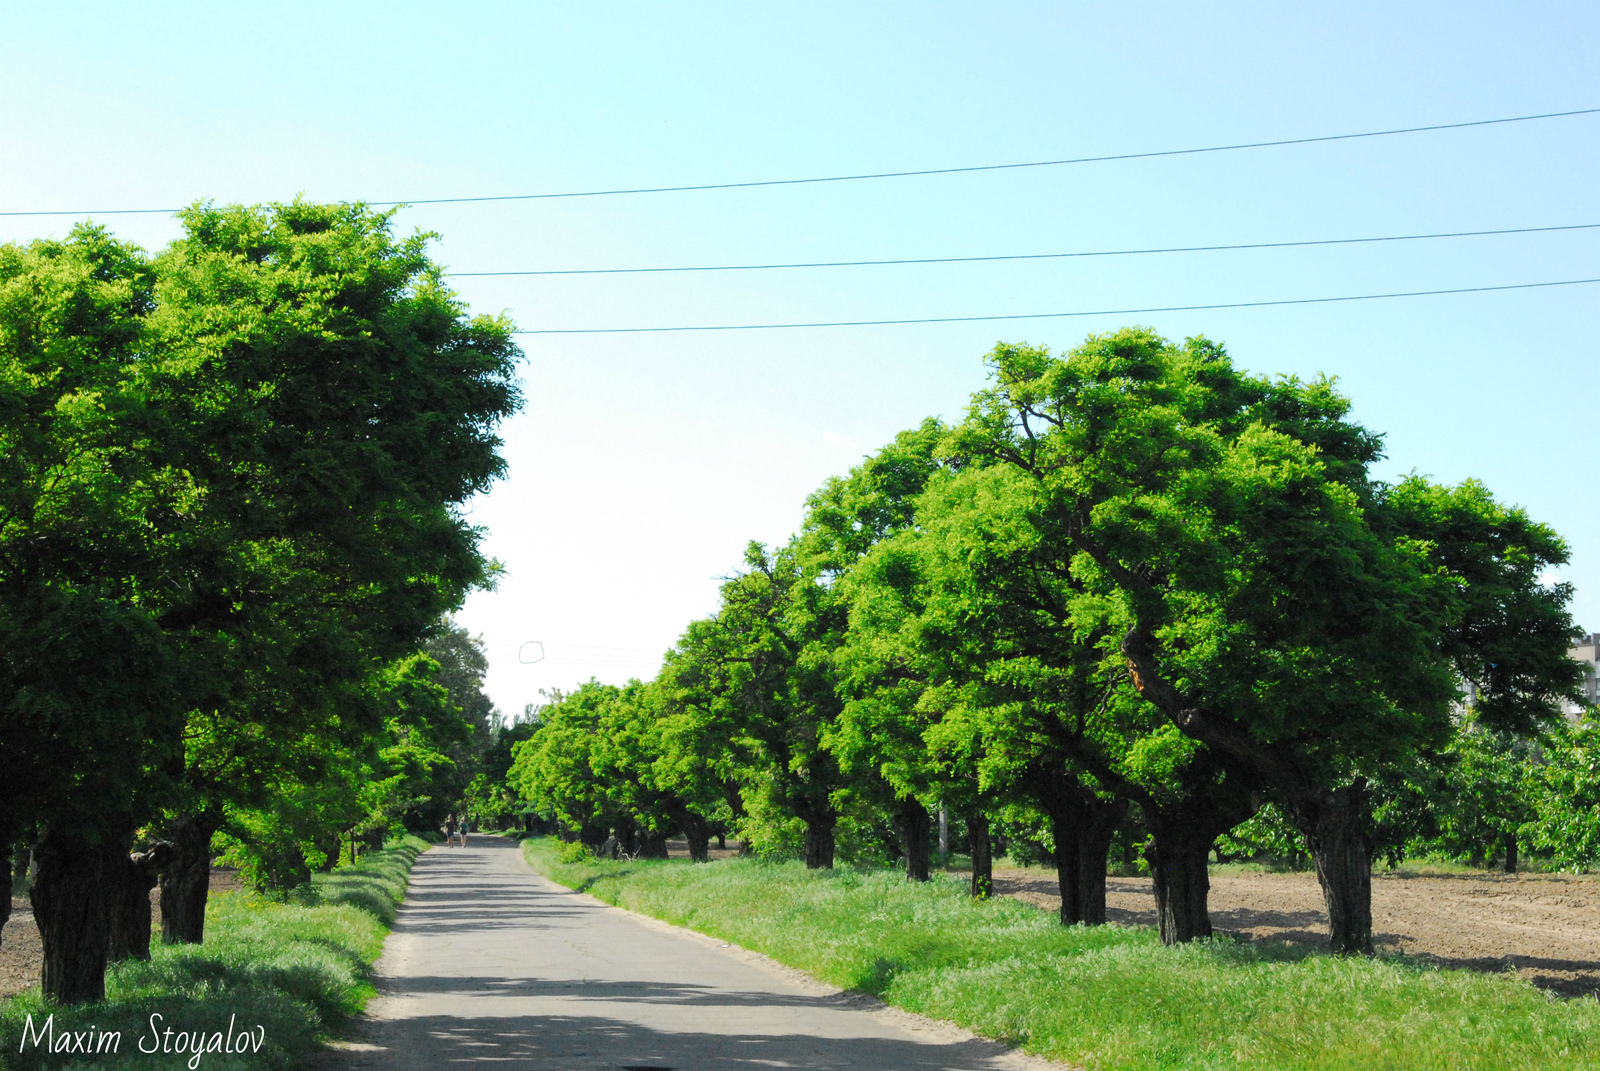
(1587, 651)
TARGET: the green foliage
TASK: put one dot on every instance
(295, 970)
(1104, 997)
(1567, 804)
(1266, 834)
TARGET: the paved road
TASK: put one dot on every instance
(490, 963)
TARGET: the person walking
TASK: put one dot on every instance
(450, 831)
(466, 827)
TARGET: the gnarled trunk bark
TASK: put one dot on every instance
(1065, 818)
(129, 900)
(819, 841)
(1177, 854)
(914, 826)
(8, 880)
(1511, 853)
(1100, 821)
(652, 845)
(979, 845)
(186, 878)
(69, 898)
(697, 831)
(1334, 824)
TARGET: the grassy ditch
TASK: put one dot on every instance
(1110, 998)
(286, 972)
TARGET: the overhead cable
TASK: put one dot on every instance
(1046, 315)
(1276, 143)
(1026, 256)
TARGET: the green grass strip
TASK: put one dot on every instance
(1109, 998)
(288, 971)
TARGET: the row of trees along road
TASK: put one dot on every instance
(230, 486)
(1133, 585)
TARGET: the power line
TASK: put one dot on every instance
(1028, 256)
(1278, 143)
(1048, 315)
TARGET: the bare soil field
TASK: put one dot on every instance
(1545, 927)
(21, 953)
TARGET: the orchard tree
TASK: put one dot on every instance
(875, 736)
(93, 682)
(277, 418)
(1229, 520)
(1023, 696)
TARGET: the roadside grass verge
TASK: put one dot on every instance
(286, 972)
(1110, 998)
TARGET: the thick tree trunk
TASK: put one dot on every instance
(1511, 853)
(652, 845)
(982, 860)
(697, 831)
(1177, 854)
(1333, 823)
(819, 841)
(70, 906)
(1065, 819)
(944, 833)
(8, 880)
(1101, 818)
(186, 878)
(914, 826)
(593, 836)
(130, 903)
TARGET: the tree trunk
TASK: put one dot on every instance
(914, 827)
(944, 833)
(1333, 825)
(186, 879)
(652, 845)
(1177, 854)
(697, 831)
(8, 880)
(1100, 822)
(1065, 819)
(982, 861)
(70, 906)
(819, 842)
(1511, 853)
(130, 904)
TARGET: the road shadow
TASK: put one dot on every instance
(591, 1043)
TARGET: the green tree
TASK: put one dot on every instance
(272, 426)
(1229, 520)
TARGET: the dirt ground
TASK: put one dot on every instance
(20, 950)
(1545, 927)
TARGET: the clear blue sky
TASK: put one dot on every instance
(643, 463)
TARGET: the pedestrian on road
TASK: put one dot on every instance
(466, 827)
(450, 831)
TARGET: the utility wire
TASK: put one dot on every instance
(1048, 315)
(1027, 256)
(901, 174)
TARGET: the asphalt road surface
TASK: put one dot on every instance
(491, 964)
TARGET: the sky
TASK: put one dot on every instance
(643, 463)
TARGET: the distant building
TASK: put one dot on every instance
(1587, 652)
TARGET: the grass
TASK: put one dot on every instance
(292, 969)
(1109, 998)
